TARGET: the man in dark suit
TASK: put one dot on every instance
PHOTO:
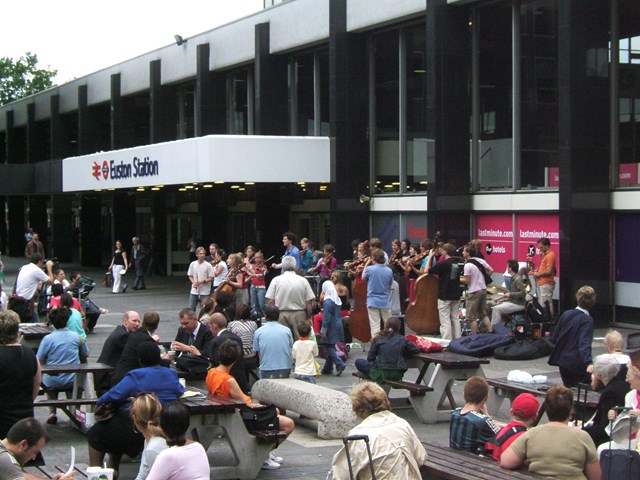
(129, 358)
(192, 336)
(113, 347)
(218, 327)
(139, 260)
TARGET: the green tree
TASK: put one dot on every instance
(22, 77)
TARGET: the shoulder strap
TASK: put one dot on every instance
(15, 283)
(479, 265)
(509, 433)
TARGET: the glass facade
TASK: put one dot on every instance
(309, 94)
(239, 93)
(628, 92)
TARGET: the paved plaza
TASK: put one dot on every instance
(305, 455)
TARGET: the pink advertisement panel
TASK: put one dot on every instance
(532, 227)
(496, 234)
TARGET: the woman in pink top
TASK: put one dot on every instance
(184, 459)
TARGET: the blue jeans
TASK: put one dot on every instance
(332, 357)
(284, 373)
(306, 378)
(194, 300)
(258, 300)
(362, 365)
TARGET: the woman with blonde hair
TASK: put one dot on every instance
(145, 413)
(395, 448)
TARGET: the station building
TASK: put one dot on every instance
(504, 120)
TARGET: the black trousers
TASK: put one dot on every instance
(572, 379)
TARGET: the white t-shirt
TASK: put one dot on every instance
(303, 353)
(217, 280)
(477, 282)
(28, 278)
(200, 272)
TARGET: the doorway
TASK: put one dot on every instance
(180, 227)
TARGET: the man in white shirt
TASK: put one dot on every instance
(29, 277)
(476, 301)
(292, 294)
(200, 275)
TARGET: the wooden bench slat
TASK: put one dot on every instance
(414, 388)
(450, 464)
(65, 402)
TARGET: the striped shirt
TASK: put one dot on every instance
(470, 431)
(245, 329)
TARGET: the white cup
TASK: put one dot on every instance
(99, 473)
(183, 382)
(172, 355)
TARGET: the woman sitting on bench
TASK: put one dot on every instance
(386, 359)
(220, 382)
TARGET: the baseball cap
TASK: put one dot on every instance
(525, 406)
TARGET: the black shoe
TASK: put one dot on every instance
(142, 288)
(340, 370)
(135, 288)
(124, 289)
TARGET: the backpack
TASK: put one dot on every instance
(494, 446)
(535, 312)
(487, 278)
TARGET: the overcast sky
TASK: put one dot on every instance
(78, 37)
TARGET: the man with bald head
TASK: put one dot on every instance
(218, 327)
(113, 347)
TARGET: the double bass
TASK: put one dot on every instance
(359, 325)
(421, 315)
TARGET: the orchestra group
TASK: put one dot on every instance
(245, 276)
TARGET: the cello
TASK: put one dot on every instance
(358, 315)
(421, 315)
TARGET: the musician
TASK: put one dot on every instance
(220, 267)
(514, 300)
(411, 271)
(257, 272)
(327, 264)
(472, 277)
(200, 275)
(213, 249)
(289, 242)
(355, 268)
(306, 255)
(449, 289)
(236, 277)
(399, 250)
(380, 280)
(376, 244)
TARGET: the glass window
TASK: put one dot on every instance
(386, 93)
(629, 93)
(416, 81)
(238, 101)
(539, 94)
(303, 95)
(495, 136)
(186, 111)
(323, 60)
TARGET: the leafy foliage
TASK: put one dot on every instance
(21, 78)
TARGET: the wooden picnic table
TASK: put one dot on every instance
(439, 371)
(213, 417)
(33, 333)
(83, 392)
(448, 463)
(45, 471)
(503, 389)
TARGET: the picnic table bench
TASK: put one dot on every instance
(47, 471)
(503, 389)
(216, 418)
(33, 333)
(82, 393)
(447, 463)
(437, 373)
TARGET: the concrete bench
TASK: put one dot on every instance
(331, 408)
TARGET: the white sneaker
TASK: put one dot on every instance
(269, 464)
(275, 458)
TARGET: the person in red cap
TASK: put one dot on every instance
(524, 411)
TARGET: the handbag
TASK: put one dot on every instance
(195, 365)
(424, 344)
(263, 417)
(105, 411)
(22, 306)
